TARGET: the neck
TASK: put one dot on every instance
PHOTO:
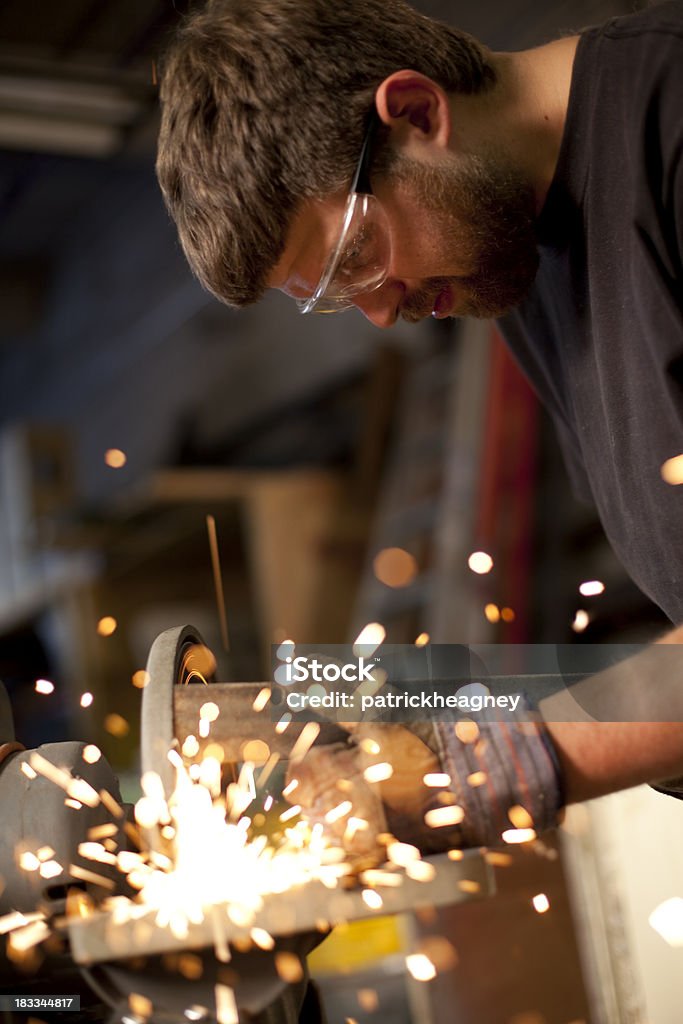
(524, 115)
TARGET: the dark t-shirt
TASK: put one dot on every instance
(601, 333)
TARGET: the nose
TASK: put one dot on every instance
(381, 306)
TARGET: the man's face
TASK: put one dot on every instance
(462, 234)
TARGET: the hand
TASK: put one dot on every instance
(331, 776)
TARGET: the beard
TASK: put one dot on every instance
(486, 212)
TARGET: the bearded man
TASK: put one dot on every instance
(360, 154)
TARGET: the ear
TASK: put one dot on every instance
(415, 108)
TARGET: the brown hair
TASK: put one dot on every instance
(264, 104)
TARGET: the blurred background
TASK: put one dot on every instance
(351, 474)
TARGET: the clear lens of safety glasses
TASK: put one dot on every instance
(359, 262)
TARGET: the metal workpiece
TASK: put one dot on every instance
(171, 707)
(103, 936)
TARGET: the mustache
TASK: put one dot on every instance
(419, 304)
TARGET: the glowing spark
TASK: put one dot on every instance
(467, 731)
(520, 817)
(262, 938)
(29, 862)
(86, 700)
(305, 741)
(204, 728)
(191, 967)
(672, 470)
(436, 779)
(291, 812)
(45, 852)
(378, 772)
(29, 935)
(140, 1005)
(147, 812)
(44, 686)
(107, 625)
(480, 562)
(476, 779)
(15, 919)
(420, 966)
(368, 999)
(592, 588)
(422, 640)
(420, 871)
(116, 725)
(290, 787)
(79, 789)
(210, 775)
(492, 613)
(209, 711)
(518, 835)
(283, 723)
(507, 615)
(226, 1008)
(467, 885)
(285, 650)
(375, 877)
(402, 853)
(190, 747)
(395, 567)
(104, 831)
(439, 817)
(261, 699)
(455, 855)
(581, 620)
(28, 771)
(50, 869)
(498, 860)
(115, 458)
(110, 803)
(267, 769)
(369, 639)
(268, 803)
(95, 851)
(90, 876)
(372, 899)
(370, 746)
(667, 921)
(218, 580)
(288, 966)
(541, 903)
(140, 679)
(340, 811)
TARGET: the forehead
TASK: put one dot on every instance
(312, 234)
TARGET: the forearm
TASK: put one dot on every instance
(599, 757)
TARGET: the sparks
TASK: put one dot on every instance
(420, 966)
(378, 772)
(369, 639)
(480, 562)
(439, 817)
(541, 903)
(518, 835)
(115, 458)
(592, 588)
(436, 779)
